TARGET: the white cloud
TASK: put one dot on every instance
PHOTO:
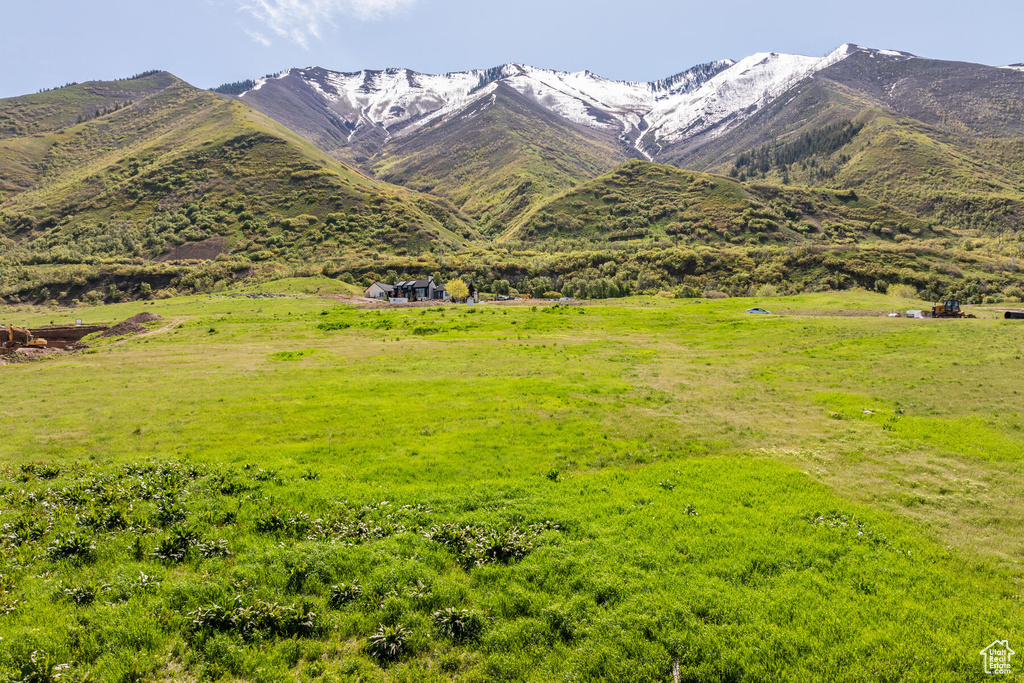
(259, 38)
(300, 20)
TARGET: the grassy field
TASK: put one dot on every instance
(292, 489)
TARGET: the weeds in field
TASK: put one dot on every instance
(474, 546)
(343, 594)
(458, 624)
(40, 667)
(389, 643)
(72, 546)
(256, 619)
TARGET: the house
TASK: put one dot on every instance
(378, 290)
(411, 290)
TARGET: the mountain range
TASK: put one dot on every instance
(427, 131)
(311, 165)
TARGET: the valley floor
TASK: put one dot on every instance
(294, 489)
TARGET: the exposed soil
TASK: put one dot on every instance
(166, 328)
(124, 328)
(207, 250)
(144, 317)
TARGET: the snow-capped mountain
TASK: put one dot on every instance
(498, 142)
(382, 105)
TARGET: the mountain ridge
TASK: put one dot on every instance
(383, 104)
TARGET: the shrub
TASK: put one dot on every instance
(210, 549)
(343, 594)
(1014, 293)
(475, 546)
(256, 620)
(71, 546)
(23, 531)
(389, 643)
(458, 624)
(81, 595)
(45, 472)
(765, 291)
(115, 519)
(40, 668)
(175, 546)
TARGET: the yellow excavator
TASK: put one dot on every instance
(18, 337)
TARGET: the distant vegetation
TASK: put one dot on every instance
(236, 88)
(780, 156)
(66, 85)
(117, 106)
(143, 74)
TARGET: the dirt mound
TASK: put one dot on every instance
(144, 317)
(124, 328)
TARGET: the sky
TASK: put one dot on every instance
(46, 43)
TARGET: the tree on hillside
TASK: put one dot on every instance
(458, 290)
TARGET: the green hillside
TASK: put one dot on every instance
(643, 201)
(182, 166)
(56, 109)
(940, 140)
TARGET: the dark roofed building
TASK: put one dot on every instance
(413, 290)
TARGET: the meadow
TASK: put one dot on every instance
(290, 488)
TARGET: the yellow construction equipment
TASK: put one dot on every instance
(950, 308)
(27, 339)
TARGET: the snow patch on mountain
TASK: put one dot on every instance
(1014, 67)
(644, 115)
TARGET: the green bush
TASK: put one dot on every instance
(388, 644)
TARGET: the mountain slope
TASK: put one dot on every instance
(642, 201)
(498, 158)
(553, 128)
(181, 166)
(56, 109)
(942, 140)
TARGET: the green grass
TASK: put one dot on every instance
(605, 490)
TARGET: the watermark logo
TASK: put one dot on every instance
(996, 658)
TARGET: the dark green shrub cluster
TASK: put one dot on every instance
(343, 594)
(71, 546)
(389, 643)
(24, 530)
(256, 619)
(40, 667)
(474, 546)
(176, 545)
(458, 624)
(44, 472)
(81, 595)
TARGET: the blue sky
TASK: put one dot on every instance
(44, 43)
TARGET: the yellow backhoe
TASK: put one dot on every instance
(18, 337)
